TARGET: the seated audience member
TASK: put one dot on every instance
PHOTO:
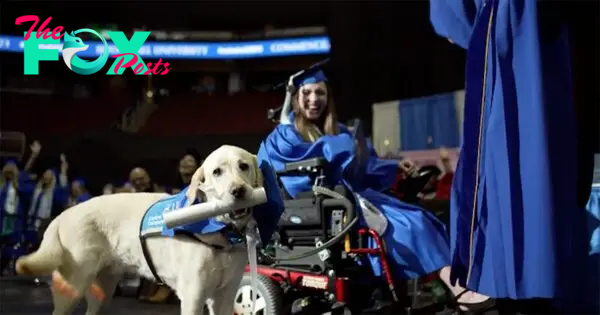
(108, 189)
(187, 166)
(127, 187)
(140, 181)
(148, 291)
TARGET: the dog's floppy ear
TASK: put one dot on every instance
(197, 179)
(259, 181)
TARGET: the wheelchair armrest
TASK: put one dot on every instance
(303, 167)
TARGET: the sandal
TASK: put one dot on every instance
(472, 308)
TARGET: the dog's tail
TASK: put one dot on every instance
(47, 258)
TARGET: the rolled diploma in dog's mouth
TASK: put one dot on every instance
(213, 208)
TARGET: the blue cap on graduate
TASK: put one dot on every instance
(79, 181)
(315, 75)
(11, 162)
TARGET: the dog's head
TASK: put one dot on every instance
(228, 172)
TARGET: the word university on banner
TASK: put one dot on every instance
(46, 45)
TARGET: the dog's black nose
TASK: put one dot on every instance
(238, 192)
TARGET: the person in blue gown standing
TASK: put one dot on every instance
(516, 227)
(16, 188)
(50, 198)
(79, 192)
(415, 240)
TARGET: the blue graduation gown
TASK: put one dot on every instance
(516, 228)
(24, 193)
(415, 240)
(60, 197)
(83, 197)
(592, 286)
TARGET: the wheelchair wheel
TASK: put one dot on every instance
(269, 301)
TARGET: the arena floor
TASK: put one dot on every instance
(23, 297)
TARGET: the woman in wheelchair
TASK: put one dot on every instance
(416, 242)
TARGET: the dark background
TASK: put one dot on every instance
(380, 51)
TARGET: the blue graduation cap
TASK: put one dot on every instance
(310, 76)
(80, 181)
(11, 161)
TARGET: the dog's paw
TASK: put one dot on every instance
(62, 287)
(97, 292)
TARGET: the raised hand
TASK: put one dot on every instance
(35, 148)
(64, 165)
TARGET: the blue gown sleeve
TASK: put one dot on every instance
(61, 193)
(453, 19)
(26, 185)
(284, 145)
(380, 173)
(267, 215)
(83, 198)
(26, 189)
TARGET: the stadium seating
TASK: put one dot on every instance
(212, 114)
(44, 114)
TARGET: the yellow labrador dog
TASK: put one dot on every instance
(95, 242)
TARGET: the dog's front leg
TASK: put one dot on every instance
(193, 292)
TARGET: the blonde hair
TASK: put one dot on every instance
(307, 129)
(52, 184)
(14, 181)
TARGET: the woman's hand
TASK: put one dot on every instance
(444, 155)
(407, 166)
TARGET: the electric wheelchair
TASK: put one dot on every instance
(316, 263)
